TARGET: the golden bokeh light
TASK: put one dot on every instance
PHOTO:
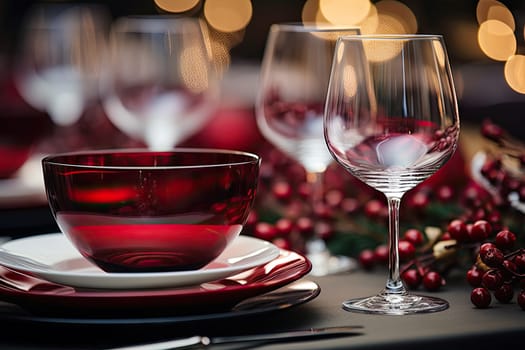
(349, 81)
(228, 15)
(492, 9)
(176, 6)
(221, 56)
(194, 67)
(515, 73)
(311, 13)
(371, 22)
(394, 11)
(496, 39)
(344, 12)
(382, 51)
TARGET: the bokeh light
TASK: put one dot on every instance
(496, 39)
(515, 73)
(228, 15)
(349, 81)
(176, 6)
(370, 23)
(312, 14)
(396, 18)
(344, 12)
(193, 66)
(492, 9)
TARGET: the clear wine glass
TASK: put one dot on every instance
(60, 57)
(161, 86)
(289, 109)
(391, 120)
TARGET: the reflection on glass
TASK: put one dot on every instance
(161, 86)
(59, 59)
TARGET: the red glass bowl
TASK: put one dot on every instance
(150, 211)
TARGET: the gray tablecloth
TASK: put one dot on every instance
(459, 326)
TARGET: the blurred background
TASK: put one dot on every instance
(485, 40)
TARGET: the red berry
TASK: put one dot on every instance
(323, 230)
(367, 259)
(432, 281)
(445, 193)
(334, 198)
(284, 226)
(374, 208)
(505, 239)
(485, 246)
(480, 297)
(305, 225)
(304, 190)
(504, 293)
(282, 190)
(406, 250)
(480, 231)
(492, 279)
(323, 211)
(474, 277)
(521, 299)
(264, 230)
(419, 200)
(414, 236)
(492, 257)
(508, 270)
(282, 243)
(412, 278)
(519, 260)
(458, 230)
(445, 236)
(381, 254)
(350, 205)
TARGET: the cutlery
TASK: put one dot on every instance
(265, 338)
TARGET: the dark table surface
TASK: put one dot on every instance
(459, 326)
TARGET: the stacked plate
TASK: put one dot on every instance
(50, 281)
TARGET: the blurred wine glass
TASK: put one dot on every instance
(392, 121)
(161, 85)
(59, 59)
(289, 109)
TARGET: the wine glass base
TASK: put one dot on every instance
(396, 304)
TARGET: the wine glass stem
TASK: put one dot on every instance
(394, 285)
(315, 179)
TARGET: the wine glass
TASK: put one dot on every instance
(161, 87)
(60, 58)
(391, 120)
(289, 109)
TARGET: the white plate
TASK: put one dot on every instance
(64, 264)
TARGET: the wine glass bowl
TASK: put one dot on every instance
(391, 120)
(161, 85)
(289, 110)
(142, 211)
(60, 57)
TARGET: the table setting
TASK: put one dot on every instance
(162, 243)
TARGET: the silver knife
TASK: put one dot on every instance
(297, 335)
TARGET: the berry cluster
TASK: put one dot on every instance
(454, 220)
(497, 270)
